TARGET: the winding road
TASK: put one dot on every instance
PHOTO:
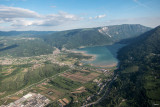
(105, 94)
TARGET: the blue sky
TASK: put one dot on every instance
(72, 14)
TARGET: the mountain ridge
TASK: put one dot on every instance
(94, 36)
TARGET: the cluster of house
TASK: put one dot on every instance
(106, 71)
(98, 81)
(30, 100)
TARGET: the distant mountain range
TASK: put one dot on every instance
(24, 33)
(138, 82)
(94, 36)
(33, 43)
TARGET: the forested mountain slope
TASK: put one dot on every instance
(94, 36)
(138, 82)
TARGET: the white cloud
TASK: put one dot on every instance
(24, 17)
(21, 22)
(97, 17)
(56, 19)
(90, 18)
(15, 12)
(100, 16)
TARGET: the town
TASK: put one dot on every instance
(30, 100)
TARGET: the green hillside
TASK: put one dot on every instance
(138, 82)
(94, 36)
(18, 79)
(23, 46)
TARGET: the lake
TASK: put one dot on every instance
(105, 55)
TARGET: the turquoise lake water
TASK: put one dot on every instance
(105, 55)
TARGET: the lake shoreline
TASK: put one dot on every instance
(94, 58)
(102, 56)
(85, 54)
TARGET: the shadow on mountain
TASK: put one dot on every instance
(118, 45)
(9, 47)
(115, 48)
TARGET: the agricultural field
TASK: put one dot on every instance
(67, 87)
(59, 75)
(80, 77)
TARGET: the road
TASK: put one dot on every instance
(35, 84)
(105, 94)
